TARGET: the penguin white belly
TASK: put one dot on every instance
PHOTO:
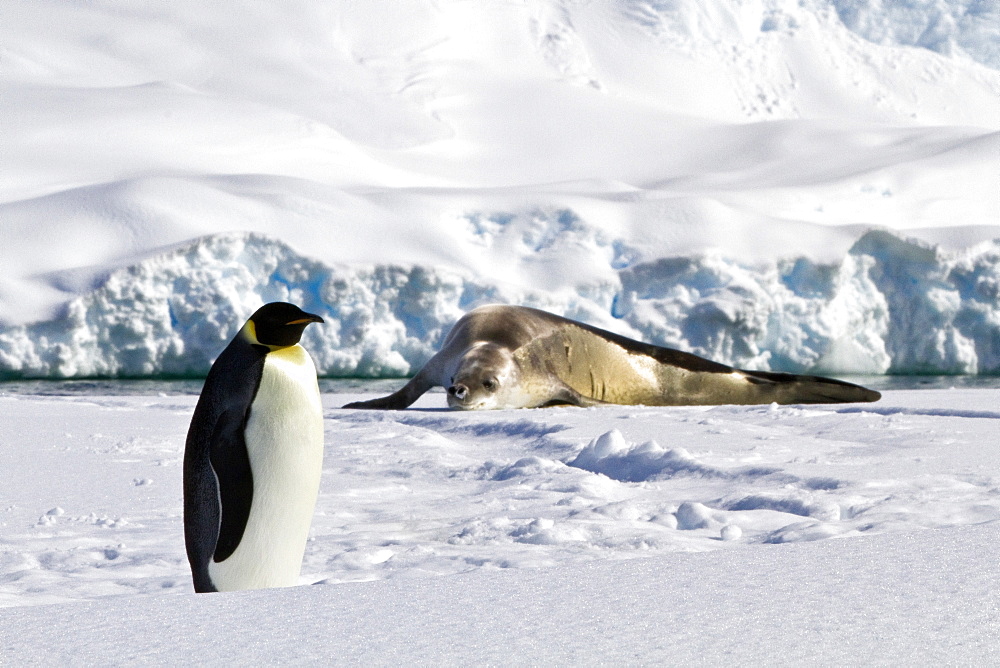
(284, 439)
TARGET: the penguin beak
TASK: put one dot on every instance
(306, 321)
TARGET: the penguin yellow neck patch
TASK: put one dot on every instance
(249, 333)
(296, 353)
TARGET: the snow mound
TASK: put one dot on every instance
(612, 456)
(890, 306)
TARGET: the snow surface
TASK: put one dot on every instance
(778, 535)
(696, 174)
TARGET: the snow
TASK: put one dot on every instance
(704, 535)
(778, 184)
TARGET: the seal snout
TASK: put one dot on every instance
(458, 391)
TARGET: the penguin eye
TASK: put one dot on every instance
(489, 384)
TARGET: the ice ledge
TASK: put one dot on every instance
(891, 305)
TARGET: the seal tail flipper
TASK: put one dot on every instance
(787, 388)
(399, 399)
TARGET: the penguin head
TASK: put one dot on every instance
(279, 324)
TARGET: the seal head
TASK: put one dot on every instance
(487, 373)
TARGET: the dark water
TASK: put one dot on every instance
(113, 387)
(153, 386)
(924, 382)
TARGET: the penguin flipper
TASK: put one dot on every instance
(201, 513)
(231, 465)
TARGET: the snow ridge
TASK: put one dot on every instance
(891, 305)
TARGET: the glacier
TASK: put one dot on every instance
(891, 305)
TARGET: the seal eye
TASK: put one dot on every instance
(490, 384)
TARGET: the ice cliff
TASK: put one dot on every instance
(892, 305)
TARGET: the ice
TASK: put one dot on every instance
(892, 305)
(971, 29)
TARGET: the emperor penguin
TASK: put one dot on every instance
(253, 457)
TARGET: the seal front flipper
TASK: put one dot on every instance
(396, 401)
(402, 397)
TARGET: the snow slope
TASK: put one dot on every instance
(775, 535)
(441, 154)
